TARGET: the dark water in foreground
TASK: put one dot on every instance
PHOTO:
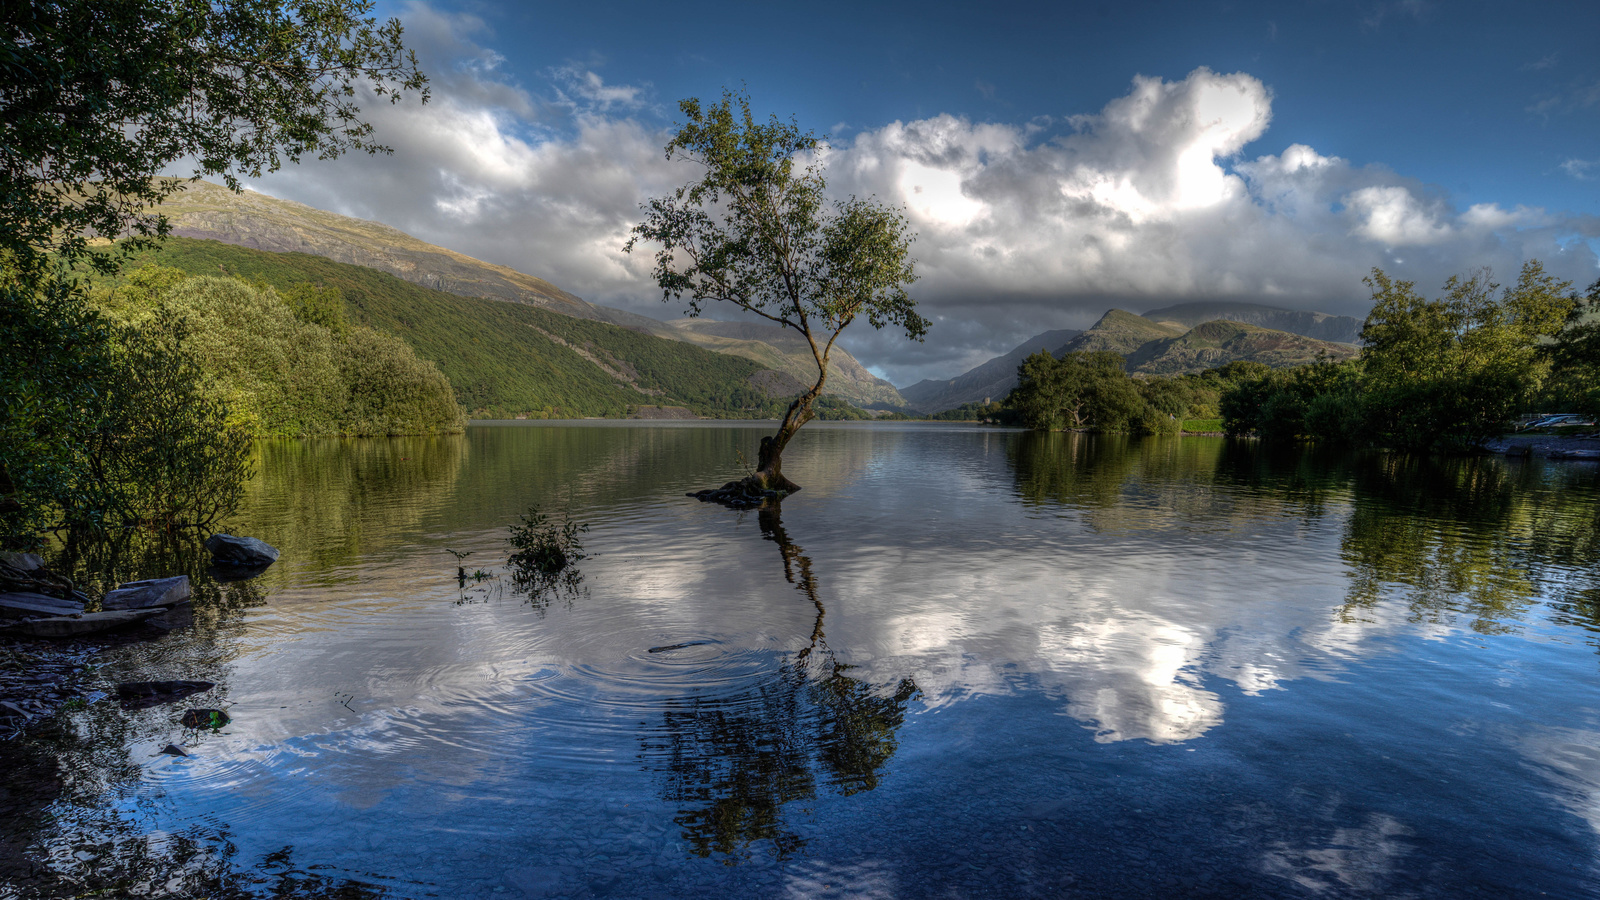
(960, 663)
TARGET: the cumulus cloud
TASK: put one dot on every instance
(1149, 201)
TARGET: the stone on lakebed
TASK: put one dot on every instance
(76, 626)
(241, 551)
(17, 604)
(150, 594)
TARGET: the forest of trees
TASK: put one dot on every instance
(1438, 375)
(1433, 375)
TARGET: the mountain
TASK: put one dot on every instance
(784, 350)
(1148, 347)
(1322, 326)
(989, 381)
(212, 212)
(1212, 344)
(511, 359)
(1121, 333)
(207, 211)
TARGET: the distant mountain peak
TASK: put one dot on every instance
(1318, 325)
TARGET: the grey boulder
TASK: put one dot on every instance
(22, 562)
(241, 551)
(150, 594)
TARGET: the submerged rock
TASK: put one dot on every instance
(144, 694)
(738, 495)
(245, 552)
(26, 603)
(77, 626)
(149, 594)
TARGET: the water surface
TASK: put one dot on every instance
(960, 663)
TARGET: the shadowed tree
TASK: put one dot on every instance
(756, 231)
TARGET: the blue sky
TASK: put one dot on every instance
(1056, 160)
(1486, 99)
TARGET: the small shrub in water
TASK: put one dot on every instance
(543, 547)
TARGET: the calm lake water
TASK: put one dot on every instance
(960, 663)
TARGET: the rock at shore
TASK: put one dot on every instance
(77, 626)
(22, 562)
(17, 604)
(243, 552)
(151, 594)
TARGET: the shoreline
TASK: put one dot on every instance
(1544, 446)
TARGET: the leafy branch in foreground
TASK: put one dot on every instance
(101, 97)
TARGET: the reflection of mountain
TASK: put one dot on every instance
(732, 764)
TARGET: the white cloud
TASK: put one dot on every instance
(1581, 169)
(1151, 200)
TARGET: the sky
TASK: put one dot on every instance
(1055, 160)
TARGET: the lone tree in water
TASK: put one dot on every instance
(756, 231)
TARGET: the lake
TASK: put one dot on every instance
(962, 662)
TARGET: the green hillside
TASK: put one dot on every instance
(506, 359)
(1121, 333)
(1214, 343)
(206, 211)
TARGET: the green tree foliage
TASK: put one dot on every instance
(389, 390)
(1433, 374)
(1322, 400)
(757, 232)
(284, 375)
(105, 424)
(317, 304)
(100, 97)
(1452, 371)
(54, 353)
(166, 453)
(1093, 391)
(1575, 357)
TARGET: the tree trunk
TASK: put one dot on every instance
(767, 482)
(769, 459)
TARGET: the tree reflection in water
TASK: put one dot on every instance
(733, 763)
(1480, 538)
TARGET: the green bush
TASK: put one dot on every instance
(105, 424)
(55, 350)
(390, 391)
(292, 367)
(284, 372)
(166, 453)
